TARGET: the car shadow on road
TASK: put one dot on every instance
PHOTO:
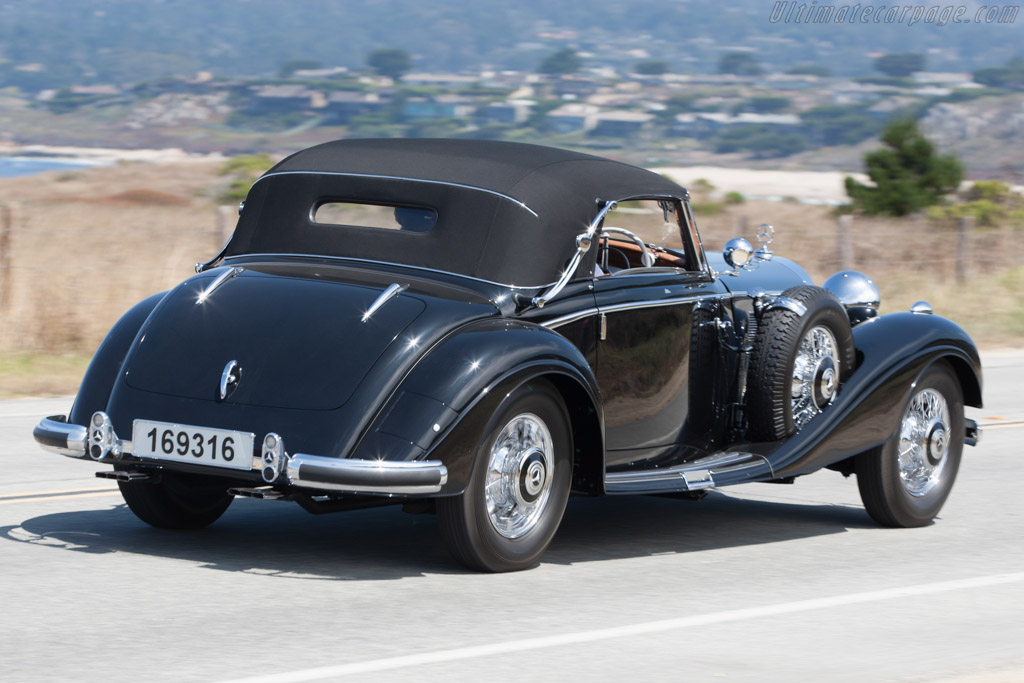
(623, 527)
(276, 539)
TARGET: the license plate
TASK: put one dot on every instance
(199, 445)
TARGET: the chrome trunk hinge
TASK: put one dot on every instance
(221, 279)
(392, 291)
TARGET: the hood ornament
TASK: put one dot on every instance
(230, 378)
(765, 235)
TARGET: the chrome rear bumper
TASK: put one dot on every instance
(366, 476)
(343, 475)
(57, 436)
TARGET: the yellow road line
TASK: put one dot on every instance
(1002, 425)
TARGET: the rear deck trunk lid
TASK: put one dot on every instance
(300, 342)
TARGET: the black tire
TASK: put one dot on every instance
(885, 492)
(465, 521)
(779, 334)
(177, 501)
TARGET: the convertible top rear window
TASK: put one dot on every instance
(379, 216)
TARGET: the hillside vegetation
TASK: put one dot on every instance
(86, 245)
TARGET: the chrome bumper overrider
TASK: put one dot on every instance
(276, 466)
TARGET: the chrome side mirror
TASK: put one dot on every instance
(738, 252)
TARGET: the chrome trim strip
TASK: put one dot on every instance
(391, 177)
(391, 292)
(52, 429)
(387, 477)
(388, 263)
(657, 303)
(570, 318)
(628, 306)
(220, 279)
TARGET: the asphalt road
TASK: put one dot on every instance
(756, 583)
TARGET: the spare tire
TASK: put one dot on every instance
(798, 363)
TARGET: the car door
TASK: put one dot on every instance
(657, 356)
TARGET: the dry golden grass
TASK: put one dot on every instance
(88, 244)
(27, 374)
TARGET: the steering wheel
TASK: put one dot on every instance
(646, 257)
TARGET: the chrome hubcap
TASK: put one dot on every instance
(924, 442)
(519, 475)
(815, 374)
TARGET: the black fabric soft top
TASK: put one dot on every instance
(507, 212)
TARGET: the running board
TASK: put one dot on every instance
(697, 475)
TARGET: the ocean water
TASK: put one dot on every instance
(11, 167)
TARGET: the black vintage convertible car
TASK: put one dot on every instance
(483, 328)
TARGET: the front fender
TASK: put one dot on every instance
(893, 350)
(440, 409)
(106, 363)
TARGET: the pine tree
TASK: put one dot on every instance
(908, 174)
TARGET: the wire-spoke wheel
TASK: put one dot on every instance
(905, 482)
(815, 374)
(798, 363)
(515, 498)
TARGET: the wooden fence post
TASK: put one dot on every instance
(963, 246)
(844, 247)
(6, 219)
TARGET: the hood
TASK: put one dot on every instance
(775, 275)
(298, 337)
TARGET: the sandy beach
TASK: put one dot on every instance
(810, 187)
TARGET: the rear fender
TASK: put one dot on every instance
(106, 363)
(442, 408)
(893, 351)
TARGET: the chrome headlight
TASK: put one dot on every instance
(857, 292)
(737, 252)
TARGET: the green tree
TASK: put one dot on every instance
(390, 62)
(739, 63)
(651, 67)
(907, 174)
(564, 61)
(900, 65)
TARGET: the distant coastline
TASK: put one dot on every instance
(29, 159)
(14, 167)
